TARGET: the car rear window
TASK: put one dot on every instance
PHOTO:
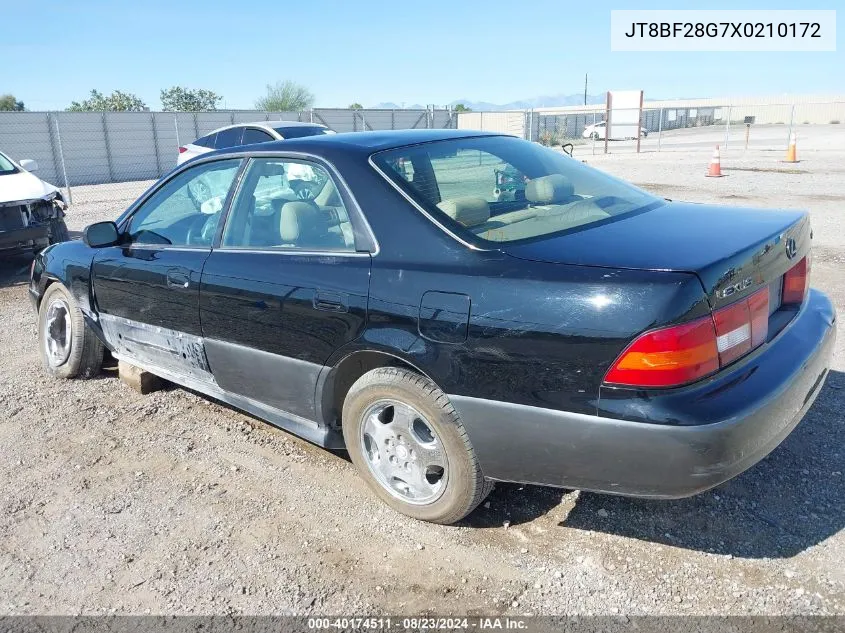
(300, 131)
(502, 189)
(206, 141)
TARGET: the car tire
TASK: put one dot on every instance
(595, 136)
(58, 231)
(414, 421)
(68, 348)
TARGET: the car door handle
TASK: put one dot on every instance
(178, 278)
(330, 302)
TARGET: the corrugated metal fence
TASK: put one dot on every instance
(84, 148)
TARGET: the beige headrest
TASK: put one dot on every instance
(469, 211)
(295, 218)
(329, 196)
(549, 189)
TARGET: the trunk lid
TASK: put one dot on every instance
(733, 250)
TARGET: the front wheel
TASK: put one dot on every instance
(408, 443)
(68, 348)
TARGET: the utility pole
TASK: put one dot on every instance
(585, 88)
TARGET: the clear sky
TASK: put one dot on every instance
(428, 52)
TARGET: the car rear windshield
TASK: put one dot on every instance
(503, 189)
(298, 131)
(6, 166)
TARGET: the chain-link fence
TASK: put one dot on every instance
(129, 149)
(732, 127)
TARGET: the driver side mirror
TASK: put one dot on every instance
(28, 164)
(101, 234)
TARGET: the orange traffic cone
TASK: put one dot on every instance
(715, 170)
(792, 150)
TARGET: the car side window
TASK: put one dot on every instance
(185, 211)
(229, 137)
(288, 205)
(254, 135)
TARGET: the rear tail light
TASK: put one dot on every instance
(182, 150)
(742, 326)
(796, 282)
(681, 354)
(668, 357)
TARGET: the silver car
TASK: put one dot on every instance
(248, 134)
(300, 179)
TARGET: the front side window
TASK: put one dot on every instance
(288, 205)
(503, 189)
(186, 210)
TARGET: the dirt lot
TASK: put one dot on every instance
(170, 503)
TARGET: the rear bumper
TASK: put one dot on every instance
(661, 450)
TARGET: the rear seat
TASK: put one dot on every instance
(329, 200)
(553, 201)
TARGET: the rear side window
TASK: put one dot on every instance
(301, 130)
(288, 205)
(254, 135)
(229, 137)
(206, 141)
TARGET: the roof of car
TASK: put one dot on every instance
(368, 142)
(268, 124)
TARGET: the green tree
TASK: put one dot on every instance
(286, 96)
(181, 99)
(117, 101)
(460, 107)
(8, 102)
(356, 106)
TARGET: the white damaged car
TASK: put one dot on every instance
(32, 211)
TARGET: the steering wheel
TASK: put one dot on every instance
(201, 230)
(302, 190)
(199, 191)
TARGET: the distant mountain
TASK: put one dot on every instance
(389, 105)
(544, 101)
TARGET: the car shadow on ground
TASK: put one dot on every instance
(14, 270)
(792, 500)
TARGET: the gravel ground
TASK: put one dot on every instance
(171, 503)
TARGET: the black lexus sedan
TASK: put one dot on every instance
(583, 334)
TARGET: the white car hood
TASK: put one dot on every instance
(23, 186)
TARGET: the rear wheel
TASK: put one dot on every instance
(410, 446)
(68, 348)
